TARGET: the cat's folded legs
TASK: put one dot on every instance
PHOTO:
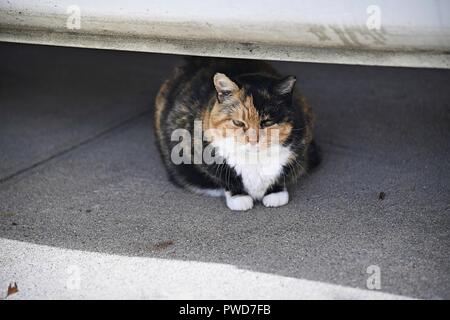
(235, 196)
(276, 196)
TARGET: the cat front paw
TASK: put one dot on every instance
(239, 202)
(276, 199)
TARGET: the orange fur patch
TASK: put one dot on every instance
(244, 110)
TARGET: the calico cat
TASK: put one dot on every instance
(237, 110)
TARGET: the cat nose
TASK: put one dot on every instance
(253, 139)
(252, 136)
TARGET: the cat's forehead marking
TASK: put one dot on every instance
(248, 112)
(248, 103)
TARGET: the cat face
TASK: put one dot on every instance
(255, 111)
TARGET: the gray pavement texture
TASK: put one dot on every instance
(79, 170)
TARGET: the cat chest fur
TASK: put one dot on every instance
(257, 171)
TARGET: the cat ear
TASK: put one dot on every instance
(286, 85)
(224, 86)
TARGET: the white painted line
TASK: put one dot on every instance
(43, 272)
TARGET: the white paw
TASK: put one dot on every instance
(276, 199)
(239, 202)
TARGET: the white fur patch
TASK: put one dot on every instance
(208, 192)
(276, 199)
(258, 169)
(239, 202)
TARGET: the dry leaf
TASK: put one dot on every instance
(12, 289)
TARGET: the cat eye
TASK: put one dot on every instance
(238, 123)
(267, 123)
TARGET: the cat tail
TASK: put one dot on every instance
(211, 192)
(207, 192)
